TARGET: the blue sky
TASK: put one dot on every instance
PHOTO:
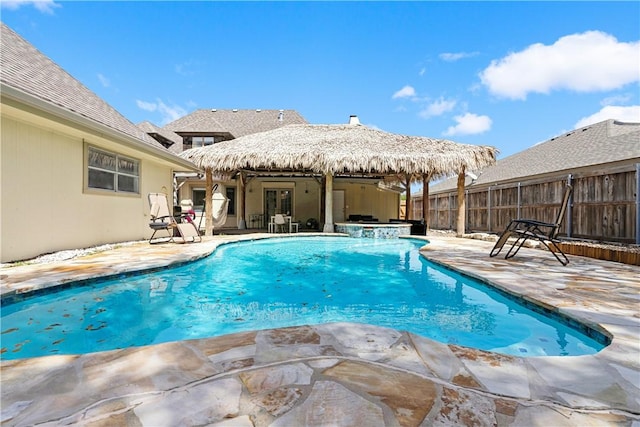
(506, 74)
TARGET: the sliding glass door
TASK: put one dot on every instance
(278, 200)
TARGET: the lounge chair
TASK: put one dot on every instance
(544, 232)
(162, 219)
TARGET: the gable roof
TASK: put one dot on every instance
(234, 122)
(27, 73)
(600, 143)
(171, 140)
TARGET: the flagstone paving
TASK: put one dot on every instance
(341, 374)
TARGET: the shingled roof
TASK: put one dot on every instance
(27, 70)
(171, 140)
(234, 122)
(600, 143)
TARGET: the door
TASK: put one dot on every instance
(277, 200)
(338, 206)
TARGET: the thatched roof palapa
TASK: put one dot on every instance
(341, 149)
(334, 150)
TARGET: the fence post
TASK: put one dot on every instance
(489, 209)
(637, 203)
(450, 222)
(437, 210)
(518, 213)
(466, 214)
(569, 213)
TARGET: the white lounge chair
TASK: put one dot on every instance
(162, 219)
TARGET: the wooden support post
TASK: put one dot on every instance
(461, 204)
(208, 195)
(242, 224)
(426, 178)
(328, 204)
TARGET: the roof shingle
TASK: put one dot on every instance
(170, 137)
(26, 69)
(600, 143)
(236, 122)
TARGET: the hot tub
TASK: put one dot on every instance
(374, 230)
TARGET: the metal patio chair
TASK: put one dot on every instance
(162, 219)
(530, 229)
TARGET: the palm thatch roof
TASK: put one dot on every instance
(341, 149)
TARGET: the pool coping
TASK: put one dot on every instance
(572, 291)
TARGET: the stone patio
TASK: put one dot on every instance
(342, 374)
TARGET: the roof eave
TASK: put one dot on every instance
(127, 140)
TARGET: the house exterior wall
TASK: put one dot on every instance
(362, 198)
(44, 205)
(306, 197)
(368, 199)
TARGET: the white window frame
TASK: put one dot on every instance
(202, 141)
(115, 171)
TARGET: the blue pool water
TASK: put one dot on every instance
(285, 282)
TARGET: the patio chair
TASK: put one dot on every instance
(162, 219)
(529, 229)
(280, 221)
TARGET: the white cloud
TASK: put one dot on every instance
(451, 57)
(624, 114)
(422, 71)
(44, 6)
(168, 113)
(146, 106)
(616, 99)
(469, 124)
(186, 68)
(103, 80)
(437, 108)
(405, 92)
(585, 62)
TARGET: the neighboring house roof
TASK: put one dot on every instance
(26, 70)
(600, 143)
(171, 140)
(234, 122)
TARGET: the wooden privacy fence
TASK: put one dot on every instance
(604, 206)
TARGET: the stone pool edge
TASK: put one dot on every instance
(606, 381)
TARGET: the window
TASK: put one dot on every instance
(201, 141)
(197, 141)
(113, 172)
(198, 195)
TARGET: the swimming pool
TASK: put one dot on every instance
(285, 282)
